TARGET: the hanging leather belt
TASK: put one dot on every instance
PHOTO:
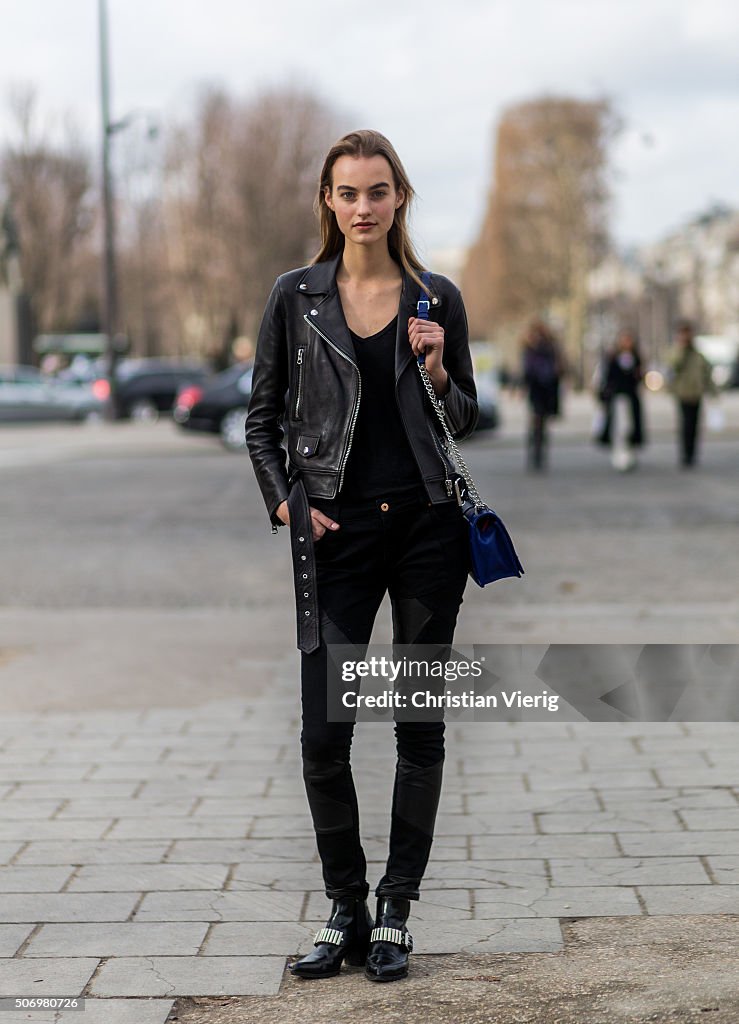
(304, 568)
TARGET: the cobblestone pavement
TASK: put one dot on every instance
(164, 853)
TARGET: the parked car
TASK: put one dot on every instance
(219, 406)
(148, 387)
(488, 399)
(27, 395)
(487, 381)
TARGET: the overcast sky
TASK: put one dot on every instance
(672, 66)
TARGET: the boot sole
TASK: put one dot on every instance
(386, 977)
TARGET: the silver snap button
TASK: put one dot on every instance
(306, 593)
(314, 312)
(434, 302)
(306, 449)
(303, 558)
(307, 613)
(304, 286)
(301, 539)
(305, 575)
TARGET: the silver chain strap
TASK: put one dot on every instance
(471, 489)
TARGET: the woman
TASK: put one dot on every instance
(543, 366)
(368, 492)
(621, 377)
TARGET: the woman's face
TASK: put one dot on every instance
(363, 197)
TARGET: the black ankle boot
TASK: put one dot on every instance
(391, 942)
(345, 937)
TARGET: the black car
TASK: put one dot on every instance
(148, 387)
(219, 406)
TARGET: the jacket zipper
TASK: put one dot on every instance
(355, 411)
(300, 384)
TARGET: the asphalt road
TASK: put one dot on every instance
(116, 532)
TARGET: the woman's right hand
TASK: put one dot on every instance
(321, 523)
(319, 520)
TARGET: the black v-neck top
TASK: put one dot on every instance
(381, 460)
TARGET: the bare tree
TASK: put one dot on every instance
(546, 223)
(48, 188)
(238, 193)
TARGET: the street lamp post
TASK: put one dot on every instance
(110, 283)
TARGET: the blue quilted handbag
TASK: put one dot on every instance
(492, 554)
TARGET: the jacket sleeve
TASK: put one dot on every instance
(264, 432)
(460, 401)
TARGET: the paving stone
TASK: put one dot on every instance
(181, 828)
(87, 828)
(190, 976)
(199, 905)
(599, 761)
(94, 753)
(141, 770)
(508, 847)
(44, 772)
(33, 879)
(725, 776)
(127, 808)
(636, 820)
(73, 790)
(11, 937)
(251, 805)
(709, 819)
(725, 869)
(61, 976)
(667, 844)
(674, 799)
(217, 788)
(494, 766)
(690, 899)
(131, 938)
(121, 852)
(231, 851)
(628, 871)
(626, 779)
(498, 874)
(65, 906)
(15, 810)
(101, 1011)
(550, 801)
(149, 877)
(582, 901)
(282, 876)
(270, 938)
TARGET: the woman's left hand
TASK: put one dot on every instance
(427, 336)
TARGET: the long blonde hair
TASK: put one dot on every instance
(366, 142)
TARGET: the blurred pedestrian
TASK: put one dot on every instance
(620, 383)
(689, 380)
(542, 370)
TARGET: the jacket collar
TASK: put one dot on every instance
(319, 282)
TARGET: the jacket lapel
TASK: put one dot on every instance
(319, 284)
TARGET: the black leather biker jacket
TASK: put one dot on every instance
(306, 377)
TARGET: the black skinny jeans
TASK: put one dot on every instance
(418, 553)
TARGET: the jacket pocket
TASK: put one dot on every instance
(307, 445)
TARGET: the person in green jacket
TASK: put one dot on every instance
(690, 380)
